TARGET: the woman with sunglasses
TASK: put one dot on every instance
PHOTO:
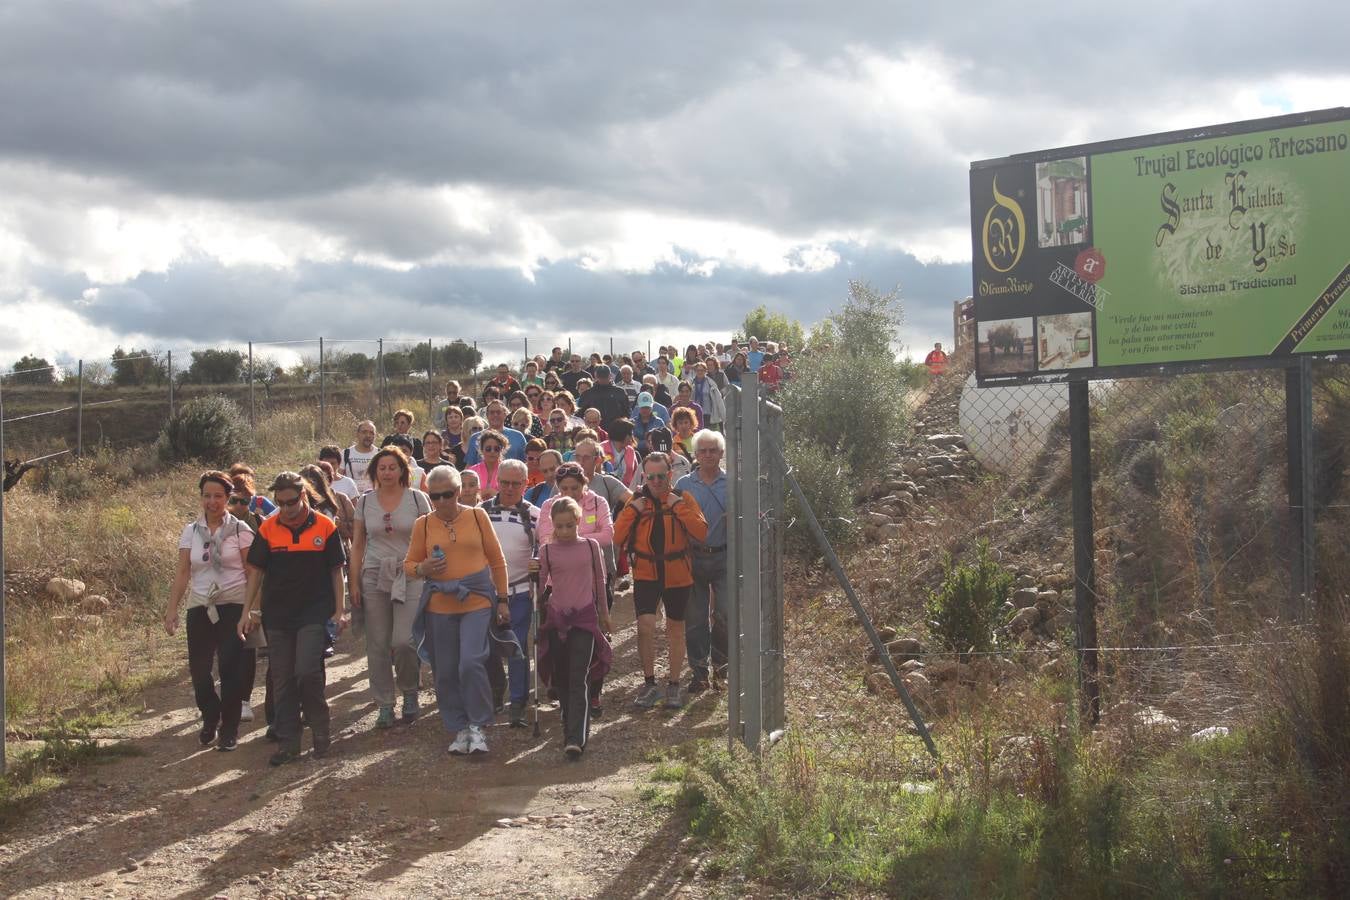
(212, 579)
(533, 393)
(457, 553)
(492, 445)
(558, 436)
(523, 420)
(383, 529)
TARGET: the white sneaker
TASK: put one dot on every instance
(245, 712)
(460, 745)
(477, 740)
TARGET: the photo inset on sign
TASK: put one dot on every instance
(1062, 202)
(1064, 342)
(1005, 346)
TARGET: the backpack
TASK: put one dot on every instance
(686, 553)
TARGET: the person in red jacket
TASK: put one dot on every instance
(936, 360)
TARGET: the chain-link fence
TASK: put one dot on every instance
(1197, 506)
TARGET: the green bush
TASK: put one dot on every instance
(211, 430)
(827, 482)
(965, 609)
(846, 395)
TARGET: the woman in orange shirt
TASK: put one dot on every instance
(455, 549)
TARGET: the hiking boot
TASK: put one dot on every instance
(411, 708)
(227, 744)
(321, 745)
(673, 698)
(649, 696)
(270, 734)
(460, 745)
(517, 713)
(245, 712)
(698, 683)
(597, 709)
(281, 757)
(207, 734)
(386, 717)
(477, 739)
(573, 751)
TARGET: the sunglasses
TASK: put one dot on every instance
(559, 421)
(503, 483)
(206, 552)
(388, 523)
(287, 504)
(493, 449)
(441, 495)
(662, 476)
(238, 501)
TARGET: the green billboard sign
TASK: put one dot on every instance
(1228, 244)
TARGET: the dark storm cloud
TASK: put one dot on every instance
(349, 121)
(202, 302)
(611, 101)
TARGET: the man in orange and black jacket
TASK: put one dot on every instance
(656, 527)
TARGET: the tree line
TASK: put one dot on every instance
(144, 368)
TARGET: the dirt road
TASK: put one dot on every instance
(387, 814)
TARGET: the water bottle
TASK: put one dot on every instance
(437, 553)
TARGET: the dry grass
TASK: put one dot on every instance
(107, 523)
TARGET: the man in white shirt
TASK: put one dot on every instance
(515, 522)
(357, 457)
(342, 484)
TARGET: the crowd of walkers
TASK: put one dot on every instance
(489, 548)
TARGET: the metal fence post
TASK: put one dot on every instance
(252, 411)
(735, 578)
(1084, 549)
(323, 395)
(379, 379)
(527, 355)
(79, 411)
(431, 391)
(772, 508)
(611, 347)
(3, 745)
(170, 364)
(752, 657)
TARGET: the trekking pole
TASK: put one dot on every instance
(534, 643)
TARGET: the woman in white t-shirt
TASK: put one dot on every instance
(212, 578)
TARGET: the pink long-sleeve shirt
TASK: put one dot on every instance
(595, 519)
(576, 570)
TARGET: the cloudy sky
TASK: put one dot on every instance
(179, 174)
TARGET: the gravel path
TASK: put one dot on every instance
(387, 814)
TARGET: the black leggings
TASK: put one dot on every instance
(217, 643)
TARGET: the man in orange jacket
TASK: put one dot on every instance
(656, 527)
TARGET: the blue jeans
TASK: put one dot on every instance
(709, 595)
(458, 644)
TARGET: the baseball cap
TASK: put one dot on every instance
(645, 399)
